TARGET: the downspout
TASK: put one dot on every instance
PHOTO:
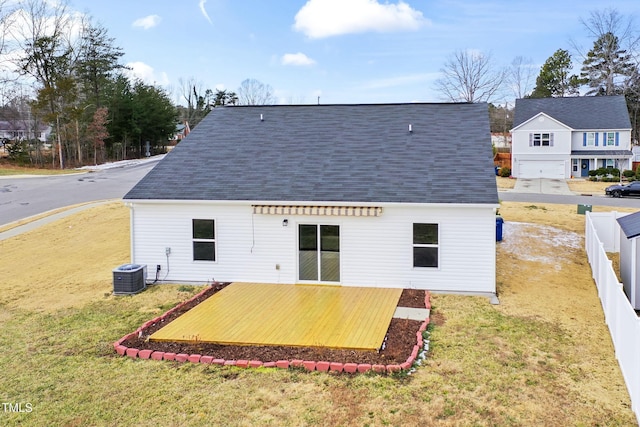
(131, 231)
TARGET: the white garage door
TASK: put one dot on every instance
(541, 169)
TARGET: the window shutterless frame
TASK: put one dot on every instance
(426, 250)
(203, 234)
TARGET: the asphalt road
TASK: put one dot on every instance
(24, 197)
(627, 202)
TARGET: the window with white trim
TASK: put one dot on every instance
(610, 138)
(204, 239)
(591, 138)
(575, 165)
(610, 163)
(541, 139)
(425, 245)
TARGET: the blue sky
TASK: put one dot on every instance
(343, 51)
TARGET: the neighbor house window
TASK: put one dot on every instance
(610, 163)
(425, 245)
(610, 138)
(541, 139)
(575, 165)
(591, 138)
(204, 240)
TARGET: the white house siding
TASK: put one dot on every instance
(541, 162)
(374, 251)
(624, 140)
(599, 159)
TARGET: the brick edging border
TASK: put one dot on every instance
(322, 366)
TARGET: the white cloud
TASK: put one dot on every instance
(298, 59)
(204, 11)
(326, 18)
(147, 22)
(146, 73)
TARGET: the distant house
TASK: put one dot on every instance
(352, 195)
(20, 130)
(564, 137)
(182, 130)
(501, 140)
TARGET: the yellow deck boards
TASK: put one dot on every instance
(288, 315)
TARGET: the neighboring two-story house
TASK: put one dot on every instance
(567, 137)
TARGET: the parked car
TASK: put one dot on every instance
(631, 189)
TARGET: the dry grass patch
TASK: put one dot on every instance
(67, 263)
(10, 170)
(565, 217)
(505, 183)
(541, 357)
(584, 186)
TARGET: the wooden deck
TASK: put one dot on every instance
(288, 315)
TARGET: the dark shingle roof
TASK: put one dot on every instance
(332, 153)
(603, 153)
(580, 113)
(630, 225)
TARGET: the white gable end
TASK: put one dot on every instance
(541, 122)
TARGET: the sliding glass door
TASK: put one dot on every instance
(319, 252)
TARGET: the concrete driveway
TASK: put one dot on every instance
(542, 186)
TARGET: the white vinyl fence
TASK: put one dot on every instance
(602, 235)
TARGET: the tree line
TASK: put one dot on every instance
(64, 71)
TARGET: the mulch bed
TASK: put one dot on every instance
(399, 343)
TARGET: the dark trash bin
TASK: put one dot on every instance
(499, 222)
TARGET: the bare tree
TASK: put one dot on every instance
(521, 76)
(42, 32)
(7, 17)
(198, 100)
(610, 21)
(470, 77)
(254, 92)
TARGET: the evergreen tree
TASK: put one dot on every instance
(606, 66)
(224, 97)
(632, 95)
(120, 125)
(154, 116)
(98, 59)
(555, 79)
